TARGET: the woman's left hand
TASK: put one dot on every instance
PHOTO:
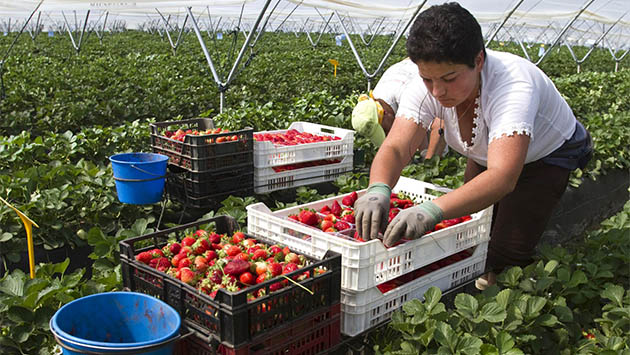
(412, 223)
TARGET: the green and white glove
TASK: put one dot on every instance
(412, 222)
(371, 210)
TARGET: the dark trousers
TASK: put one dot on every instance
(520, 218)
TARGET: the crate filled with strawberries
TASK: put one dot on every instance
(305, 153)
(206, 163)
(230, 288)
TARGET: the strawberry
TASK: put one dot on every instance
(184, 262)
(175, 260)
(214, 238)
(201, 264)
(276, 250)
(348, 200)
(308, 217)
(289, 267)
(175, 248)
(249, 242)
(161, 264)
(292, 258)
(260, 267)
(200, 233)
(246, 278)
(238, 237)
(347, 211)
(262, 278)
(335, 208)
(278, 285)
(348, 218)
(325, 209)
(294, 217)
(187, 276)
(156, 253)
(341, 225)
(232, 250)
(260, 254)
(275, 269)
(200, 246)
(144, 257)
(211, 255)
(242, 256)
(188, 241)
(216, 276)
(331, 230)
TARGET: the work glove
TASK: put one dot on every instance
(366, 119)
(371, 210)
(412, 222)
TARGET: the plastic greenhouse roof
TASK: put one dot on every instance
(532, 19)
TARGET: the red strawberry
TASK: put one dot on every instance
(242, 256)
(260, 267)
(144, 257)
(200, 233)
(216, 276)
(348, 218)
(161, 264)
(175, 260)
(278, 285)
(238, 237)
(326, 224)
(325, 209)
(292, 258)
(211, 255)
(187, 276)
(347, 201)
(246, 278)
(232, 250)
(276, 250)
(214, 238)
(184, 262)
(188, 241)
(335, 208)
(200, 246)
(262, 278)
(201, 264)
(294, 217)
(331, 230)
(175, 248)
(260, 254)
(308, 217)
(289, 267)
(275, 269)
(156, 253)
(341, 225)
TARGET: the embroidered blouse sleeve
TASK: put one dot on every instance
(511, 110)
(416, 104)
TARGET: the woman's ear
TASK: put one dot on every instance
(480, 60)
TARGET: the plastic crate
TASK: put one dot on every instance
(267, 180)
(195, 153)
(229, 317)
(361, 311)
(312, 334)
(203, 184)
(267, 154)
(367, 264)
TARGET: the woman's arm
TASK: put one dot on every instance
(397, 150)
(436, 140)
(506, 157)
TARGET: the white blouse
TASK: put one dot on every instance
(516, 98)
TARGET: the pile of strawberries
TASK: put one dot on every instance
(293, 137)
(180, 135)
(337, 217)
(413, 275)
(211, 261)
(306, 164)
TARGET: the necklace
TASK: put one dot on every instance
(474, 102)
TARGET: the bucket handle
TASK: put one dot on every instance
(124, 351)
(157, 176)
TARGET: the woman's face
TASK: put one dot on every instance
(451, 84)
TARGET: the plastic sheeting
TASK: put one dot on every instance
(535, 16)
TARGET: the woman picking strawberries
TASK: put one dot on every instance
(501, 112)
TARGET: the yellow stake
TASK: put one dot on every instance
(28, 225)
(334, 62)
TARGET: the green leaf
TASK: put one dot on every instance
(543, 283)
(504, 342)
(445, 335)
(5, 237)
(13, 284)
(547, 320)
(493, 312)
(614, 293)
(469, 345)
(535, 305)
(578, 278)
(21, 333)
(563, 313)
(488, 349)
(431, 297)
(20, 314)
(467, 303)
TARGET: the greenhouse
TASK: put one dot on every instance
(314, 177)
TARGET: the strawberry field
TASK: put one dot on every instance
(63, 113)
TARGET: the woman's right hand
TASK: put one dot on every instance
(371, 213)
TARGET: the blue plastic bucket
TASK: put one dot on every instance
(139, 177)
(116, 323)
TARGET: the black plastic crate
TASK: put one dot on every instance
(315, 333)
(202, 153)
(230, 318)
(201, 190)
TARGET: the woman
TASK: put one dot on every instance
(501, 112)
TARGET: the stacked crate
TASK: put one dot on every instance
(445, 258)
(302, 318)
(278, 167)
(205, 169)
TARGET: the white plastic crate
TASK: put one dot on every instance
(267, 180)
(363, 310)
(367, 264)
(266, 154)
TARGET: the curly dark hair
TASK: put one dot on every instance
(445, 33)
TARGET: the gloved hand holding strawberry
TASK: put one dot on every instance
(371, 210)
(412, 223)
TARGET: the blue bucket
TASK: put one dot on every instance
(116, 323)
(139, 177)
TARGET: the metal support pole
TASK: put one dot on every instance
(503, 23)
(371, 76)
(564, 30)
(223, 85)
